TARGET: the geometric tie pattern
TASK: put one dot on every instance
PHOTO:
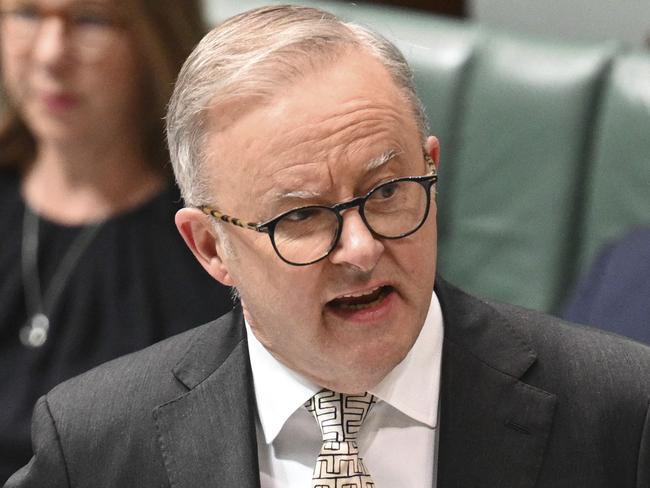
(340, 417)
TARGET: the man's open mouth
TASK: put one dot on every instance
(360, 301)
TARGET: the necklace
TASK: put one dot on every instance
(40, 305)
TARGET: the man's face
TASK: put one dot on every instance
(347, 320)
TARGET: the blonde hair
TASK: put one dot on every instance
(250, 57)
(165, 32)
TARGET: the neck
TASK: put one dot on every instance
(77, 184)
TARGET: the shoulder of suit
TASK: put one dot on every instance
(138, 380)
(564, 358)
(581, 357)
(541, 328)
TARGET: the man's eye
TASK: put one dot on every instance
(301, 215)
(386, 191)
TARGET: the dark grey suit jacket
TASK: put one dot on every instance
(526, 401)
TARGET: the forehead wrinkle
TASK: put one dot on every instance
(276, 187)
(363, 116)
(375, 163)
(333, 134)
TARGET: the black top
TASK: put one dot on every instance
(136, 283)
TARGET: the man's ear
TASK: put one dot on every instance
(199, 235)
(432, 147)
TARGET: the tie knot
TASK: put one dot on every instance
(339, 415)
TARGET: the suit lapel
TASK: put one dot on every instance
(494, 427)
(207, 436)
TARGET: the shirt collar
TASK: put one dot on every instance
(269, 377)
(412, 387)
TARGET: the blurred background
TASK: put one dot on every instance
(543, 113)
(626, 20)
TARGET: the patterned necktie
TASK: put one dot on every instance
(340, 417)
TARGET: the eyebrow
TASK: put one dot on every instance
(382, 159)
(373, 164)
(302, 194)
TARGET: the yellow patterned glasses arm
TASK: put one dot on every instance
(231, 220)
(430, 164)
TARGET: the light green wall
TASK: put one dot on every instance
(627, 20)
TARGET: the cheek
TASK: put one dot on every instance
(112, 88)
(269, 280)
(292, 294)
(418, 260)
(296, 287)
(428, 240)
(420, 249)
(14, 71)
(117, 79)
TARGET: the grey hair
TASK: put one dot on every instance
(251, 57)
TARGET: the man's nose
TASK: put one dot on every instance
(50, 45)
(357, 246)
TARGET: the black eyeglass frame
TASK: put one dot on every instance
(268, 226)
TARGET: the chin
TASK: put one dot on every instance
(361, 377)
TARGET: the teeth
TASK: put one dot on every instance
(359, 306)
(359, 301)
(359, 295)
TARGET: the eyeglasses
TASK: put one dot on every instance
(305, 235)
(90, 28)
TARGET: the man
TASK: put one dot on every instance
(288, 122)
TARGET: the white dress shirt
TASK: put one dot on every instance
(398, 440)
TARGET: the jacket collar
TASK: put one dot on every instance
(207, 435)
(494, 427)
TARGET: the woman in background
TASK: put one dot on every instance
(91, 265)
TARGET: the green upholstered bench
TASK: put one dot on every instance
(545, 147)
